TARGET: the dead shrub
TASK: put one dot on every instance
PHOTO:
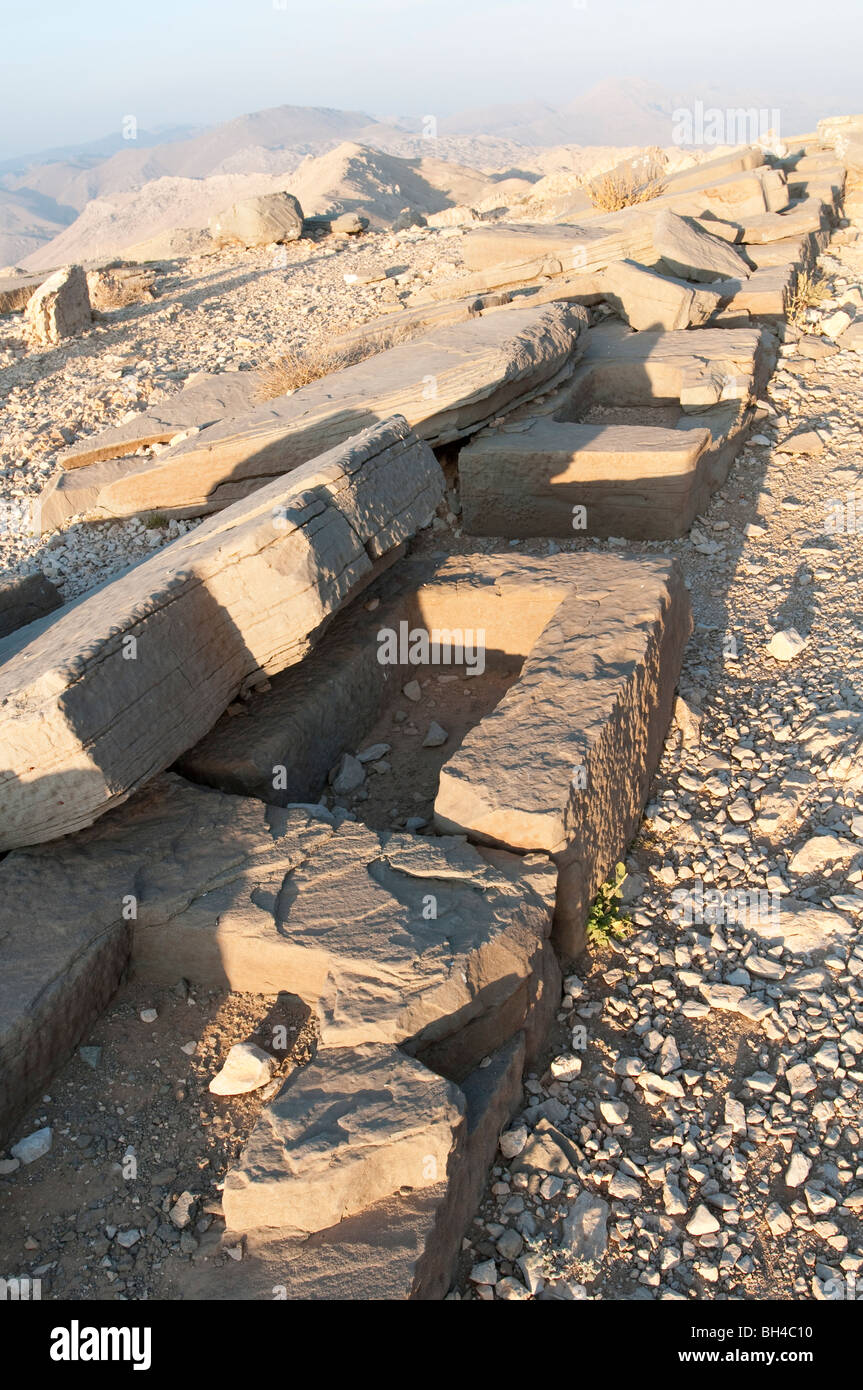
(810, 288)
(636, 181)
(295, 368)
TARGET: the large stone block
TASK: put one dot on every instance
(736, 196)
(642, 482)
(515, 604)
(799, 251)
(712, 171)
(802, 217)
(228, 892)
(259, 221)
(765, 295)
(353, 1128)
(692, 253)
(446, 385)
(121, 682)
(59, 308)
(342, 918)
(698, 368)
(632, 447)
(524, 250)
(563, 763)
(63, 951)
(405, 1246)
(648, 300)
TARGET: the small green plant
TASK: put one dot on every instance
(155, 521)
(605, 921)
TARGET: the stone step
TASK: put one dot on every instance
(355, 1127)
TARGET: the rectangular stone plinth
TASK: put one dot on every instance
(404, 1246)
(556, 479)
(353, 1128)
(572, 469)
(563, 763)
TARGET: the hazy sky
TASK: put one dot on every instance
(71, 72)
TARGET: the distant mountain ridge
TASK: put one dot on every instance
(39, 197)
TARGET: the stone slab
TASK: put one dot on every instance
(693, 254)
(746, 193)
(764, 295)
(215, 396)
(355, 1127)
(212, 397)
(344, 927)
(711, 171)
(60, 969)
(648, 300)
(698, 368)
(114, 687)
(527, 249)
(550, 473)
(405, 1247)
(800, 251)
(638, 481)
(229, 893)
(563, 763)
(801, 217)
(827, 185)
(446, 385)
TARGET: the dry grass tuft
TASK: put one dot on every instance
(637, 181)
(291, 370)
(810, 289)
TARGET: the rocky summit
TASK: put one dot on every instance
(431, 717)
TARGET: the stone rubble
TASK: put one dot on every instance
(692, 1127)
